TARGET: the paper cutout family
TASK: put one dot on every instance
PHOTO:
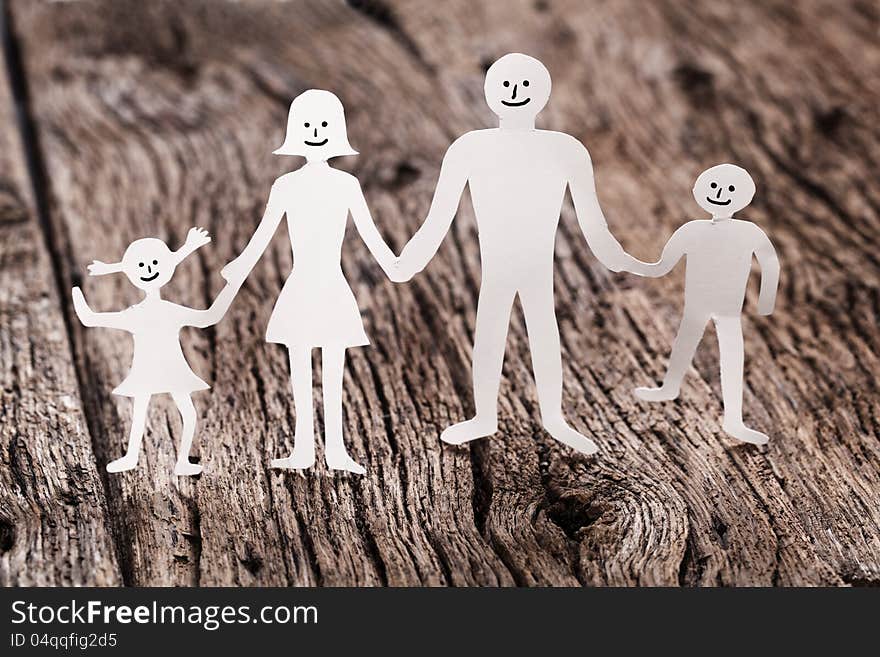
(517, 176)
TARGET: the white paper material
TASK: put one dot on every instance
(719, 258)
(158, 365)
(517, 177)
(316, 307)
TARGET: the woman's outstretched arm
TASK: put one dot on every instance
(366, 228)
(237, 270)
(88, 317)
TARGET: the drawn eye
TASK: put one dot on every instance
(713, 185)
(525, 83)
(155, 262)
(731, 188)
(507, 83)
(323, 124)
(306, 125)
(140, 264)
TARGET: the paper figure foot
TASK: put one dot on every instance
(125, 463)
(463, 432)
(344, 462)
(567, 436)
(741, 432)
(187, 469)
(656, 394)
(296, 461)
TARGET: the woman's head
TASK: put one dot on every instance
(316, 127)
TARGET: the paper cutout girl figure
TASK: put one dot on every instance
(316, 307)
(158, 365)
(719, 259)
(517, 177)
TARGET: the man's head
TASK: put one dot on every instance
(517, 87)
(724, 189)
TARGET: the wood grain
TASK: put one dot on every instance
(154, 117)
(54, 527)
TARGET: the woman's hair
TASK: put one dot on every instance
(316, 116)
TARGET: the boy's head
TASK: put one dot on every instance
(149, 263)
(724, 189)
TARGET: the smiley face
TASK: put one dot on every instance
(148, 263)
(517, 85)
(316, 127)
(724, 189)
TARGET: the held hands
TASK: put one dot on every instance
(401, 271)
(234, 272)
(765, 306)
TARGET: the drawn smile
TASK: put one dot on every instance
(517, 104)
(727, 202)
(316, 143)
(150, 278)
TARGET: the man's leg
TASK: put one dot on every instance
(690, 332)
(730, 344)
(490, 339)
(540, 312)
(303, 454)
(135, 436)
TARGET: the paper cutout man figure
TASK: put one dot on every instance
(158, 365)
(719, 259)
(517, 177)
(316, 307)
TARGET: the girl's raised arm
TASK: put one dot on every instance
(88, 317)
(363, 221)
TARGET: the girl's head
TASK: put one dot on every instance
(149, 263)
(316, 127)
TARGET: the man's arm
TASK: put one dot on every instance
(424, 244)
(238, 269)
(590, 218)
(769, 263)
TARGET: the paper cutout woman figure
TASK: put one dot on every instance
(316, 307)
(158, 365)
(517, 177)
(719, 259)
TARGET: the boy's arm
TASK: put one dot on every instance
(673, 251)
(212, 315)
(769, 263)
(88, 317)
(366, 227)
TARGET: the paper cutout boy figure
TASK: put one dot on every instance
(158, 365)
(719, 259)
(517, 177)
(316, 307)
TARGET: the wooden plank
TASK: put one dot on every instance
(154, 117)
(54, 529)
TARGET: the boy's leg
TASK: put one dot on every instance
(188, 415)
(303, 454)
(730, 344)
(135, 436)
(690, 332)
(333, 370)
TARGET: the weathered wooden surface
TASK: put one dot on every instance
(154, 117)
(53, 515)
